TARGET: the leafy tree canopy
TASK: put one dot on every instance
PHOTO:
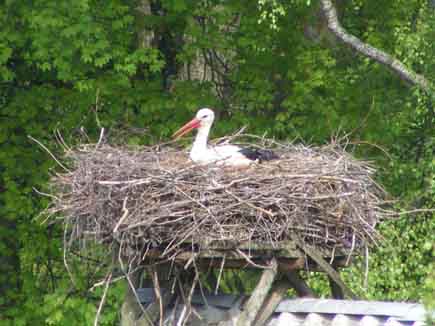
(141, 68)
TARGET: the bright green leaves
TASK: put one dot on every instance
(176, 5)
(8, 37)
(63, 310)
(270, 10)
(77, 40)
(148, 56)
(5, 54)
(402, 276)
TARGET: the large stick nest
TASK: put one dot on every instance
(153, 197)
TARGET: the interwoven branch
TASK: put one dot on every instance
(148, 198)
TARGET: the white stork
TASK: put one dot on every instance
(229, 155)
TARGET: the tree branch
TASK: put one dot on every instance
(392, 63)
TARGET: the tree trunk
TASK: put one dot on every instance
(145, 35)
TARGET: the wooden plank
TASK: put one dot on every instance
(258, 296)
(276, 295)
(238, 253)
(327, 268)
(299, 285)
(234, 260)
(287, 248)
(336, 291)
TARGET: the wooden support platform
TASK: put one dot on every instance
(252, 255)
(280, 267)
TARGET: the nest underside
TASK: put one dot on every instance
(150, 197)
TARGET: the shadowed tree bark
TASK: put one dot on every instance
(145, 35)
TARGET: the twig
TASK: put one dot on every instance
(100, 139)
(103, 282)
(132, 287)
(412, 211)
(65, 250)
(58, 135)
(45, 194)
(124, 215)
(366, 269)
(349, 255)
(50, 153)
(182, 316)
(103, 298)
(158, 293)
(228, 139)
(383, 150)
(221, 269)
(250, 204)
(249, 260)
(97, 106)
(188, 302)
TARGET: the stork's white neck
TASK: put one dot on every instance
(200, 143)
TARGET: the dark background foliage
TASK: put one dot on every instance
(140, 70)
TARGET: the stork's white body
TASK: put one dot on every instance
(201, 152)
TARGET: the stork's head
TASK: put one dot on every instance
(205, 115)
(203, 118)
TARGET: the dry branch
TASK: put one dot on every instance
(103, 298)
(149, 199)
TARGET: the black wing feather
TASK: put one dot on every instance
(258, 154)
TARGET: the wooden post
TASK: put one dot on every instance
(299, 285)
(252, 307)
(336, 291)
(277, 294)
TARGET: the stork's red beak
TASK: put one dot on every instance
(194, 123)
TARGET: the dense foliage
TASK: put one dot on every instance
(76, 66)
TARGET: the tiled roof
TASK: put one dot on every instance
(348, 312)
(314, 319)
(315, 312)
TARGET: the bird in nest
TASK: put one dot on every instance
(227, 155)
